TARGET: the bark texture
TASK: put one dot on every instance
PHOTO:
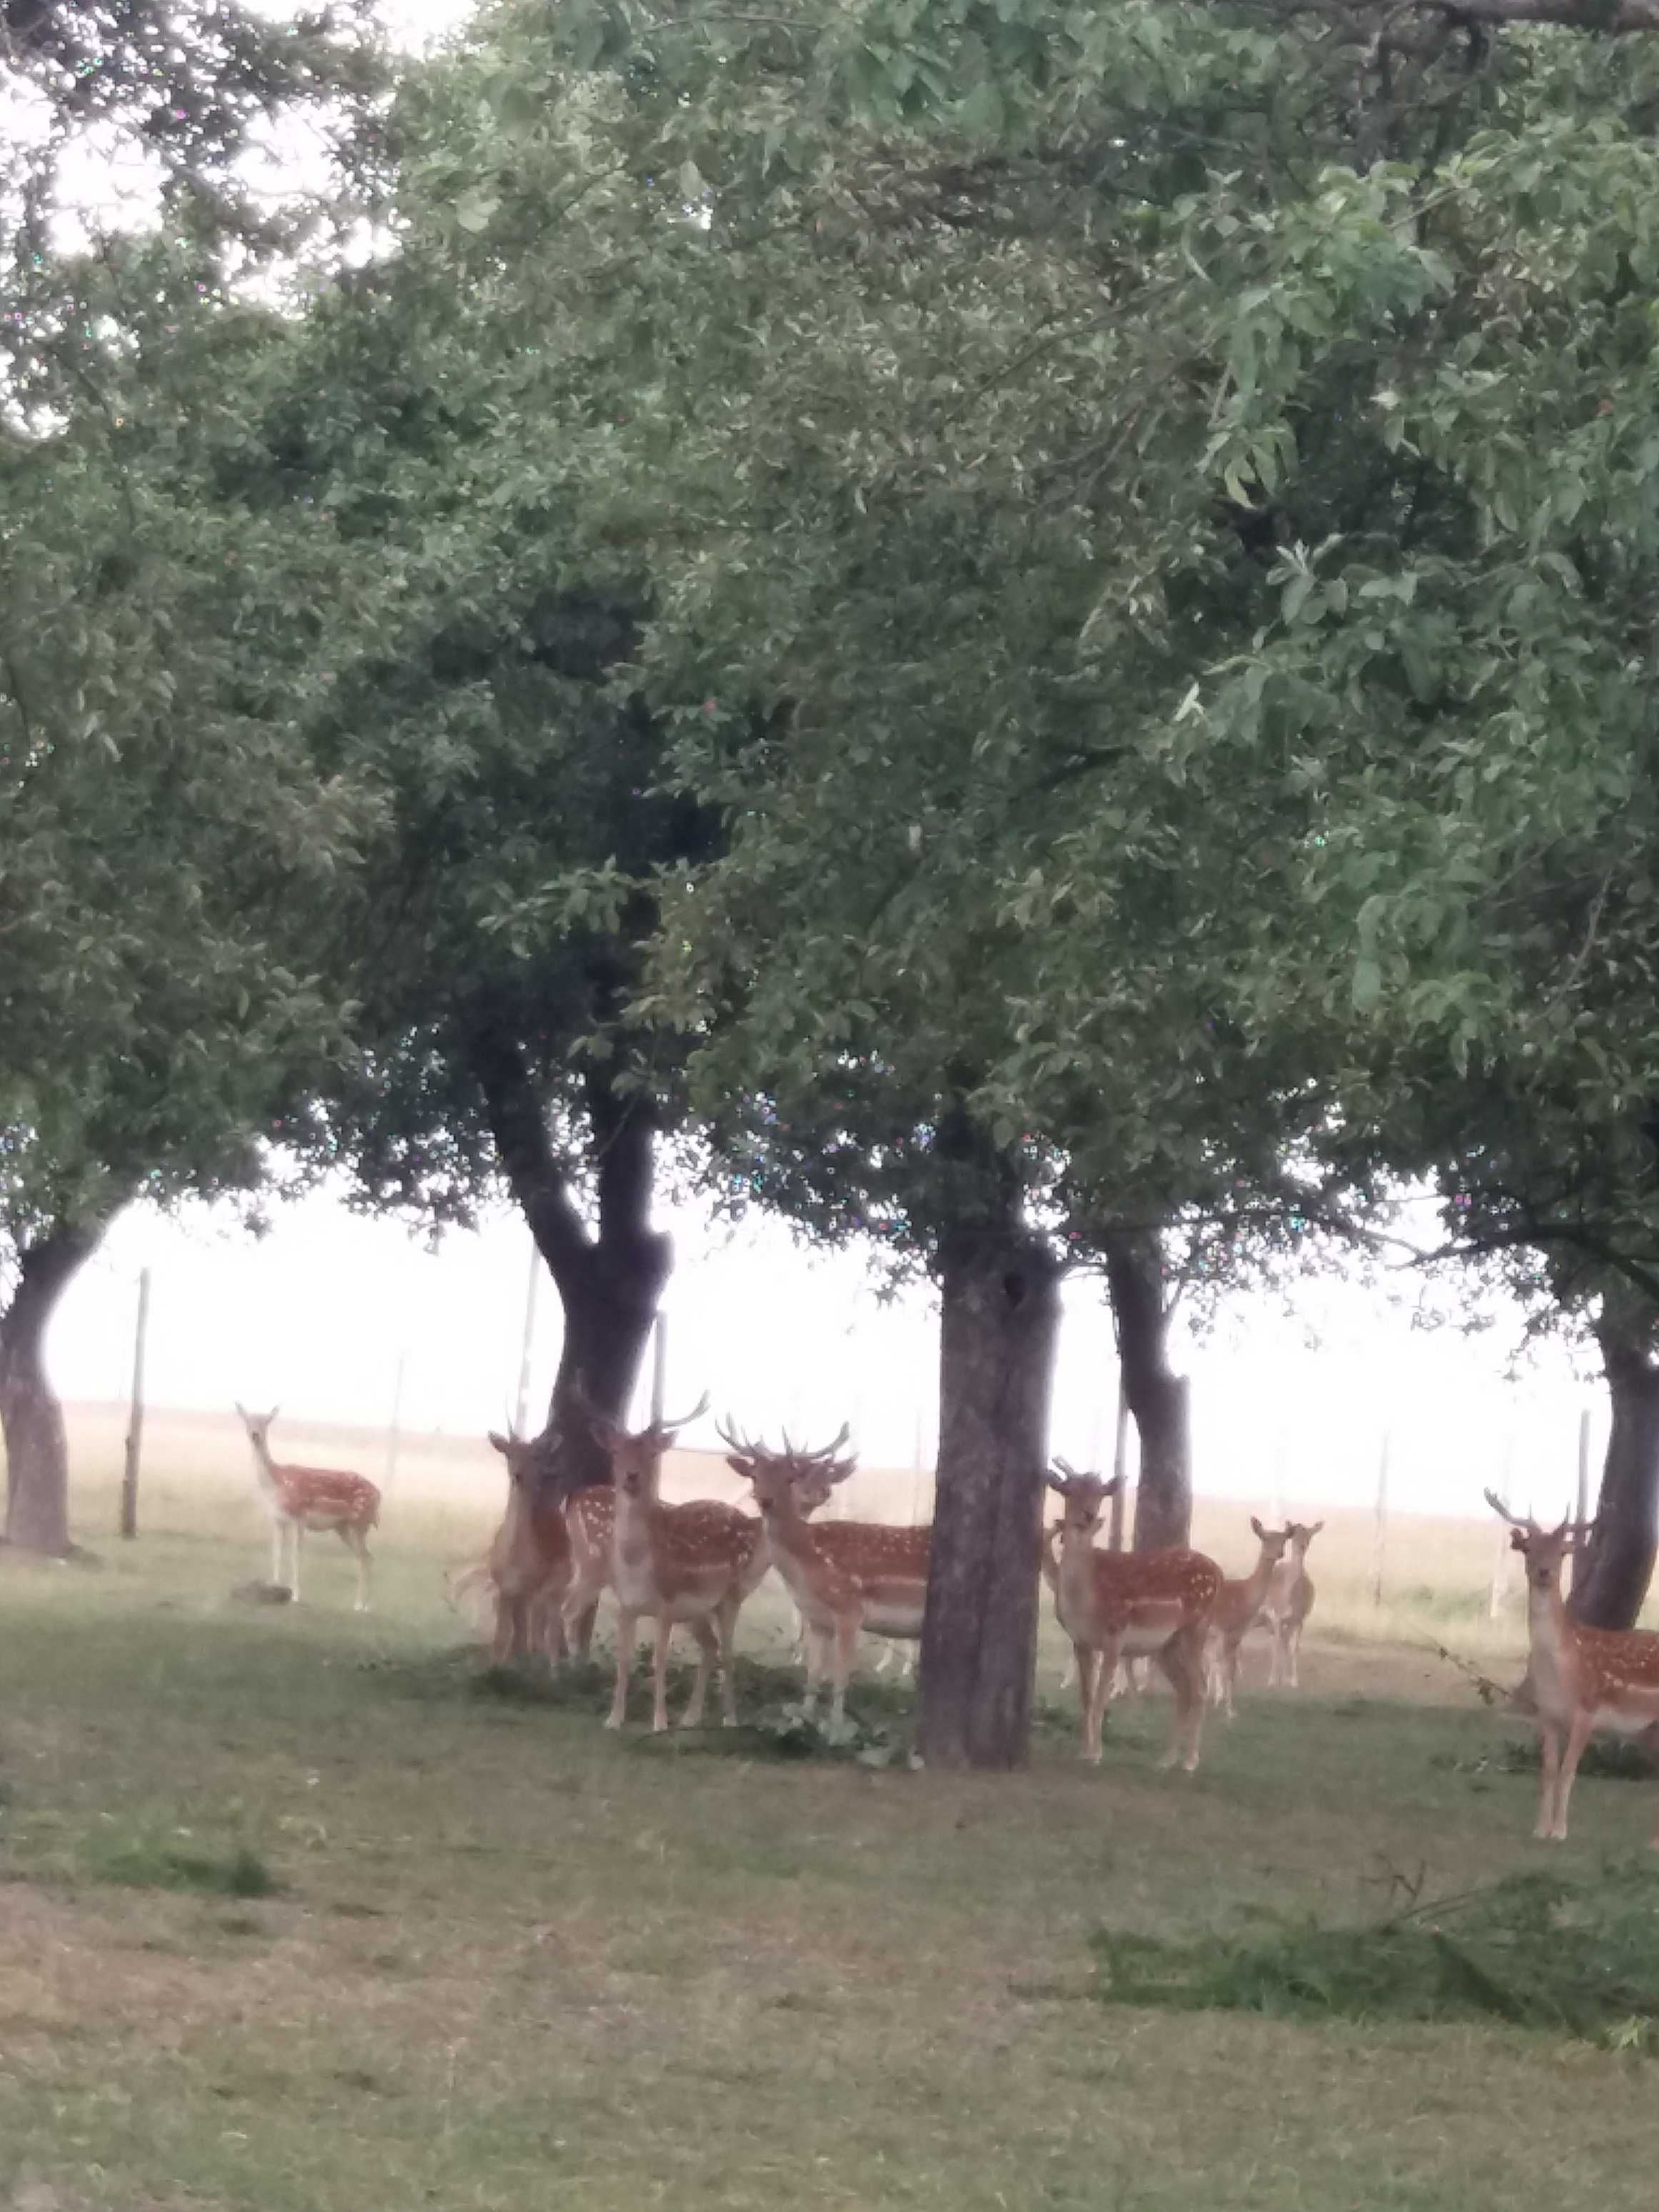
(1612, 1577)
(1158, 1397)
(609, 1278)
(31, 1417)
(1000, 1324)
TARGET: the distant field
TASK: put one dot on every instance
(443, 1497)
(302, 1911)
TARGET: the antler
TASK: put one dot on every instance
(686, 1419)
(824, 1452)
(1504, 1513)
(1062, 1481)
(729, 1433)
(1066, 1468)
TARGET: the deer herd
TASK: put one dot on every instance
(693, 1565)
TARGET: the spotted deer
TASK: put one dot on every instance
(1288, 1603)
(531, 1561)
(1118, 1605)
(844, 1576)
(1237, 1609)
(316, 1497)
(1582, 1679)
(693, 1572)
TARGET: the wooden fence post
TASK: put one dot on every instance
(1120, 1470)
(526, 1341)
(135, 1417)
(1379, 1550)
(1581, 1514)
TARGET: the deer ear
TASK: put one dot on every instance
(1518, 1539)
(498, 1440)
(1257, 1526)
(1056, 1481)
(1111, 1488)
(842, 1472)
(606, 1435)
(1315, 1530)
(744, 1467)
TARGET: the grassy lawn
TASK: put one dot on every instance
(515, 1961)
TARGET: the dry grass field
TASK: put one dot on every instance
(302, 1911)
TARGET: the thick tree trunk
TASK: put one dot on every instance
(1000, 1322)
(608, 1279)
(1612, 1581)
(1157, 1397)
(31, 1418)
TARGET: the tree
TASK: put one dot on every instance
(165, 834)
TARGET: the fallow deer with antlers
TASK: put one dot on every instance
(1237, 1609)
(315, 1498)
(844, 1576)
(1582, 1679)
(696, 1573)
(1118, 1605)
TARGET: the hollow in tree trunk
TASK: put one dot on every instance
(609, 1278)
(1611, 1580)
(999, 1322)
(1158, 1397)
(31, 1417)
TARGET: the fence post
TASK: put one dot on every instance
(526, 1341)
(1504, 1554)
(135, 1417)
(1120, 1469)
(1379, 1551)
(658, 1367)
(1582, 1515)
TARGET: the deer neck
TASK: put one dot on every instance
(1074, 1579)
(1255, 1583)
(264, 1470)
(1552, 1643)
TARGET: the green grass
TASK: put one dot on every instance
(512, 1961)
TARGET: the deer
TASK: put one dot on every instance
(844, 1576)
(1288, 1603)
(591, 1517)
(696, 1572)
(1582, 1679)
(531, 1560)
(319, 1497)
(1237, 1609)
(1118, 1605)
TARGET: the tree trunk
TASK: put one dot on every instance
(1157, 1397)
(31, 1418)
(1000, 1322)
(1612, 1579)
(609, 1279)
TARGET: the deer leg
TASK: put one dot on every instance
(1294, 1640)
(626, 1629)
(709, 1646)
(660, 1679)
(1549, 1764)
(847, 1637)
(1083, 1666)
(1578, 1734)
(582, 1641)
(277, 1575)
(297, 1530)
(818, 1660)
(1105, 1667)
(357, 1543)
(1181, 1660)
(1276, 1653)
(725, 1623)
(1234, 1653)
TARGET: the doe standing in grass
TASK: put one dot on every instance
(1582, 1679)
(1116, 1605)
(321, 1498)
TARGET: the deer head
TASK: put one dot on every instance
(1085, 1496)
